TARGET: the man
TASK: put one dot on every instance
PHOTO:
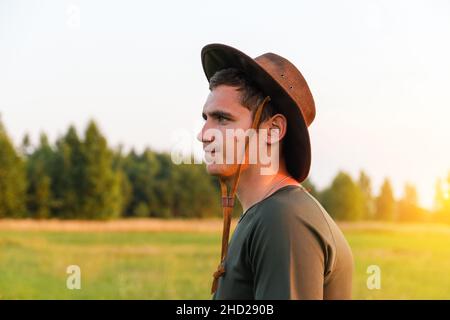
(285, 245)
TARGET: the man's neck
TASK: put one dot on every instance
(254, 187)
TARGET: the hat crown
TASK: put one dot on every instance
(292, 81)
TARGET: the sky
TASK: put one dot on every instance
(379, 72)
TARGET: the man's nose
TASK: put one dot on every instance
(201, 135)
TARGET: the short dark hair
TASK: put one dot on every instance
(251, 95)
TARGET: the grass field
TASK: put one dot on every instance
(175, 259)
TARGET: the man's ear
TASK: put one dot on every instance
(276, 128)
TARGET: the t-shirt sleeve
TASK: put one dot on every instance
(286, 257)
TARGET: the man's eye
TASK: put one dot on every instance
(221, 119)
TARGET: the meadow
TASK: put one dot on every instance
(174, 259)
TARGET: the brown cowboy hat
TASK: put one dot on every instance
(276, 77)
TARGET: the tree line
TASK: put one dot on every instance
(352, 200)
(81, 177)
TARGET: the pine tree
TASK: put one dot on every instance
(118, 165)
(365, 186)
(12, 178)
(141, 171)
(67, 175)
(101, 196)
(194, 195)
(408, 206)
(442, 200)
(39, 194)
(385, 203)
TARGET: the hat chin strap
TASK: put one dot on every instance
(228, 200)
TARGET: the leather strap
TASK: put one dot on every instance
(228, 200)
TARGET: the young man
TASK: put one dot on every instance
(285, 245)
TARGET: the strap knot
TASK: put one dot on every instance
(219, 272)
(228, 202)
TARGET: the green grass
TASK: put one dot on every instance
(157, 265)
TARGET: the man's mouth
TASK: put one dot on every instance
(207, 151)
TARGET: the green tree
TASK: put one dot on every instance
(408, 206)
(141, 171)
(39, 194)
(165, 179)
(26, 145)
(101, 196)
(12, 178)
(67, 175)
(442, 200)
(187, 190)
(385, 203)
(343, 199)
(194, 194)
(365, 185)
(118, 164)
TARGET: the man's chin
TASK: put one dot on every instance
(218, 170)
(214, 169)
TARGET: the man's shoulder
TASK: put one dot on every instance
(290, 202)
(295, 215)
(293, 206)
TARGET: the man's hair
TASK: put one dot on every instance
(251, 95)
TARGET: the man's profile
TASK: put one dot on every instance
(285, 245)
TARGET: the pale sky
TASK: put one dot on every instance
(379, 72)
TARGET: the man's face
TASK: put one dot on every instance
(223, 112)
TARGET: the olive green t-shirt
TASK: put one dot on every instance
(287, 247)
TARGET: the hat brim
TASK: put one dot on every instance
(297, 146)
